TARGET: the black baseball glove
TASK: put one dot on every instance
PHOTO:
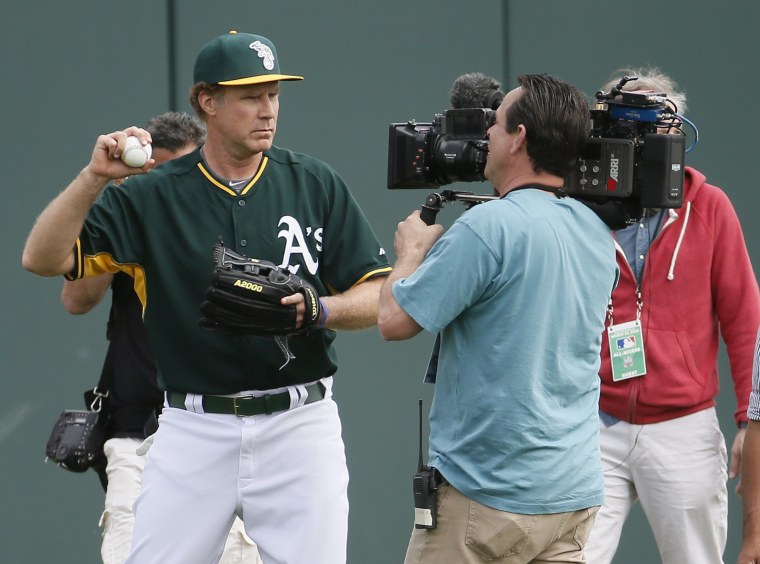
(245, 293)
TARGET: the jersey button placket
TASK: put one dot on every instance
(239, 218)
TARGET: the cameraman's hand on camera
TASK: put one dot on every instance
(413, 240)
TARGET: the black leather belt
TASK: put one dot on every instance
(244, 406)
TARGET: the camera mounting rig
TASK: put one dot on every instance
(435, 201)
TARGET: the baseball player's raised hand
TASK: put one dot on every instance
(106, 160)
(48, 250)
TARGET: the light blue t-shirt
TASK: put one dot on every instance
(518, 288)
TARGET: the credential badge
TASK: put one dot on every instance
(264, 52)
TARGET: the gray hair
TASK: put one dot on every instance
(650, 78)
(176, 130)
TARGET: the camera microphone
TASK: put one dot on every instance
(476, 90)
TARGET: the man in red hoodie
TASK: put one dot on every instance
(685, 275)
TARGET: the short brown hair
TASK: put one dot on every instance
(556, 117)
(214, 90)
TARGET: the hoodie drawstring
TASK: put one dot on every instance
(672, 268)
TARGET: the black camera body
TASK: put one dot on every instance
(629, 163)
(76, 442)
(627, 155)
(451, 148)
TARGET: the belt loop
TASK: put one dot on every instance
(194, 403)
(298, 395)
(327, 383)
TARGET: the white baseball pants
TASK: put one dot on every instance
(284, 474)
(124, 471)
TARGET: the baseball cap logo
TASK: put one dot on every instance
(264, 52)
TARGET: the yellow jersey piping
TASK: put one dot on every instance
(102, 263)
(372, 273)
(229, 190)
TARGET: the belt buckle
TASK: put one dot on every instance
(235, 405)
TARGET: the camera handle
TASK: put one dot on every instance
(430, 208)
(435, 201)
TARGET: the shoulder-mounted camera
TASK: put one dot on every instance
(634, 157)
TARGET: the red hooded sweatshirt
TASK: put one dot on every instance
(697, 283)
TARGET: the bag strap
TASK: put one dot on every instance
(102, 389)
(106, 373)
(101, 392)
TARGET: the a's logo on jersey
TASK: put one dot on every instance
(295, 243)
(264, 52)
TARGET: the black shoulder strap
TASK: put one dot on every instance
(107, 371)
(100, 394)
(559, 192)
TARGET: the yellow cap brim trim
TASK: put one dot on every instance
(259, 79)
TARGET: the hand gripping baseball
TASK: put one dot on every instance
(245, 293)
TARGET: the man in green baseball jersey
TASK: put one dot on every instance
(246, 430)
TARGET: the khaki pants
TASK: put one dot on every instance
(471, 533)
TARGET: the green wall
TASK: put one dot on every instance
(73, 70)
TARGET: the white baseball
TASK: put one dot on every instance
(135, 153)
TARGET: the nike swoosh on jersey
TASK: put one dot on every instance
(238, 183)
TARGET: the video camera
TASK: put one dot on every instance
(451, 148)
(629, 162)
(628, 154)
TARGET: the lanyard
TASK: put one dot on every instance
(639, 306)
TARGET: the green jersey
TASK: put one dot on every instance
(160, 228)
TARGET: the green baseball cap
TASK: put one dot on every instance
(236, 59)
